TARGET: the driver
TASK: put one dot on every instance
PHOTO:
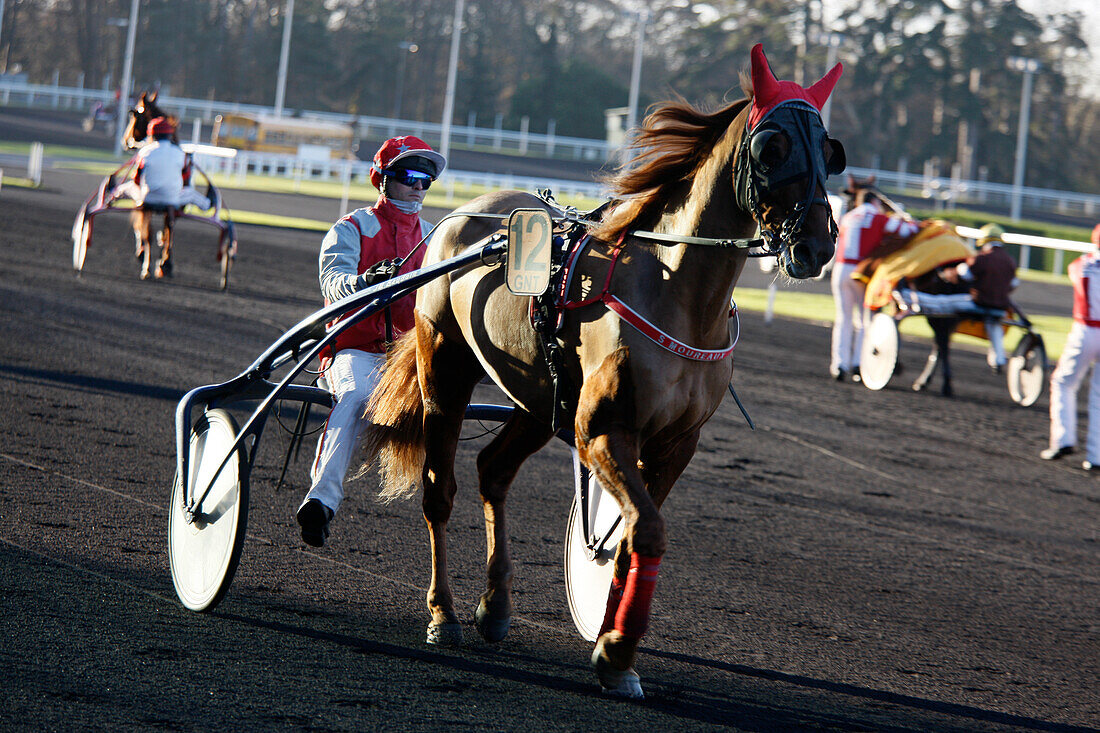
(163, 173)
(364, 248)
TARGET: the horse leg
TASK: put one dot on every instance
(497, 465)
(140, 221)
(942, 334)
(609, 447)
(447, 374)
(929, 369)
(136, 225)
(164, 266)
(660, 470)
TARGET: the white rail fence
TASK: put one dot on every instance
(246, 163)
(524, 142)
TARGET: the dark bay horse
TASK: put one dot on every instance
(639, 406)
(141, 114)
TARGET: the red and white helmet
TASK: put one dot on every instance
(160, 126)
(398, 148)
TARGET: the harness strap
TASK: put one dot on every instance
(659, 337)
(645, 327)
(704, 241)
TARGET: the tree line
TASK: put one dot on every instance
(925, 80)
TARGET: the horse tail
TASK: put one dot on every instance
(394, 438)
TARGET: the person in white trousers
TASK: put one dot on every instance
(862, 230)
(359, 251)
(1082, 351)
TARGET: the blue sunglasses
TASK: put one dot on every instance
(409, 178)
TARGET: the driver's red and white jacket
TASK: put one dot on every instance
(359, 240)
(863, 228)
(1084, 274)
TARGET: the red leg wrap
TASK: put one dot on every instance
(613, 598)
(632, 616)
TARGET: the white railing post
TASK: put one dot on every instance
(347, 189)
(34, 163)
(524, 124)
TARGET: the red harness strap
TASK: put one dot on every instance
(635, 319)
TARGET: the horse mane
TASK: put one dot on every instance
(675, 139)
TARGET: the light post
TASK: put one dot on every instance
(127, 71)
(636, 74)
(832, 41)
(410, 48)
(2, 29)
(1029, 67)
(452, 75)
(280, 85)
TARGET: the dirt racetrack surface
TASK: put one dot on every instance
(864, 560)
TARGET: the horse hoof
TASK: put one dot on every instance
(919, 386)
(448, 633)
(624, 683)
(492, 628)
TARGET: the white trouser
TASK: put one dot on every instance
(961, 304)
(1081, 351)
(352, 377)
(996, 334)
(188, 195)
(848, 319)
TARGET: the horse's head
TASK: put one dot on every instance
(143, 112)
(856, 186)
(783, 160)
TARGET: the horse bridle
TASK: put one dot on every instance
(754, 179)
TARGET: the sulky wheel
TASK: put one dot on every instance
(879, 357)
(1027, 369)
(82, 234)
(588, 574)
(204, 553)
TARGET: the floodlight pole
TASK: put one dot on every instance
(2, 32)
(452, 75)
(127, 72)
(636, 73)
(833, 40)
(280, 86)
(1029, 67)
(406, 47)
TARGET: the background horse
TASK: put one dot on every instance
(141, 114)
(638, 407)
(137, 130)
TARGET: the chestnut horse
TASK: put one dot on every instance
(141, 219)
(697, 178)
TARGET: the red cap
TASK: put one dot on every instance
(397, 148)
(769, 92)
(160, 126)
